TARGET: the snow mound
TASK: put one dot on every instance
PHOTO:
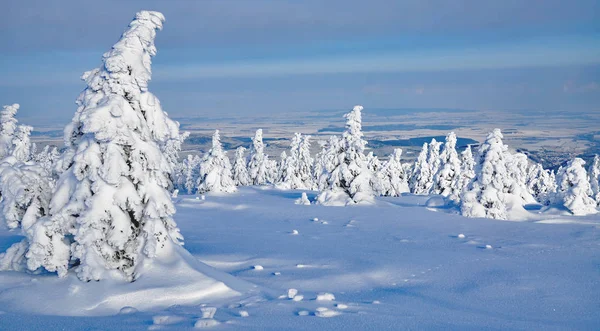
(174, 278)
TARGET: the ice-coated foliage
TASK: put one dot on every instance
(260, 169)
(296, 170)
(26, 191)
(467, 168)
(327, 160)
(190, 173)
(22, 147)
(14, 139)
(47, 159)
(421, 177)
(240, 171)
(215, 169)
(595, 178)
(447, 180)
(111, 210)
(517, 166)
(573, 189)
(541, 183)
(391, 177)
(8, 127)
(433, 159)
(351, 177)
(485, 196)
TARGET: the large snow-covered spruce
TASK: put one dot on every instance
(215, 169)
(111, 212)
(574, 190)
(114, 197)
(351, 181)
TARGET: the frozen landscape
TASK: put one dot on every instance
(394, 265)
(127, 218)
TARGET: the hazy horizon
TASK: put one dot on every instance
(264, 56)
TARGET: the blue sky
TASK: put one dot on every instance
(264, 56)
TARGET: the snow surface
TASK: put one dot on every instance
(400, 265)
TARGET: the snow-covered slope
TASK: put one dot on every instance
(394, 265)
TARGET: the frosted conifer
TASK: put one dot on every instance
(215, 169)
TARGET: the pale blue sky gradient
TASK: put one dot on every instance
(232, 56)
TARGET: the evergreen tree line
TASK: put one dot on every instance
(487, 184)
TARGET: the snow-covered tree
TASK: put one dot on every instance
(517, 166)
(421, 177)
(111, 212)
(171, 149)
(540, 183)
(595, 178)
(240, 171)
(351, 180)
(391, 177)
(260, 169)
(215, 169)
(433, 159)
(47, 158)
(485, 196)
(26, 191)
(467, 168)
(305, 163)
(296, 169)
(574, 190)
(447, 180)
(8, 127)
(327, 160)
(190, 173)
(22, 147)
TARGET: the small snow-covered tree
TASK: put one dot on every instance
(111, 213)
(595, 178)
(260, 169)
(351, 180)
(433, 159)
(540, 183)
(392, 179)
(190, 173)
(282, 170)
(467, 169)
(8, 127)
(26, 193)
(485, 196)
(47, 159)
(240, 171)
(517, 166)
(22, 147)
(327, 160)
(215, 169)
(305, 164)
(421, 178)
(574, 190)
(171, 149)
(447, 180)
